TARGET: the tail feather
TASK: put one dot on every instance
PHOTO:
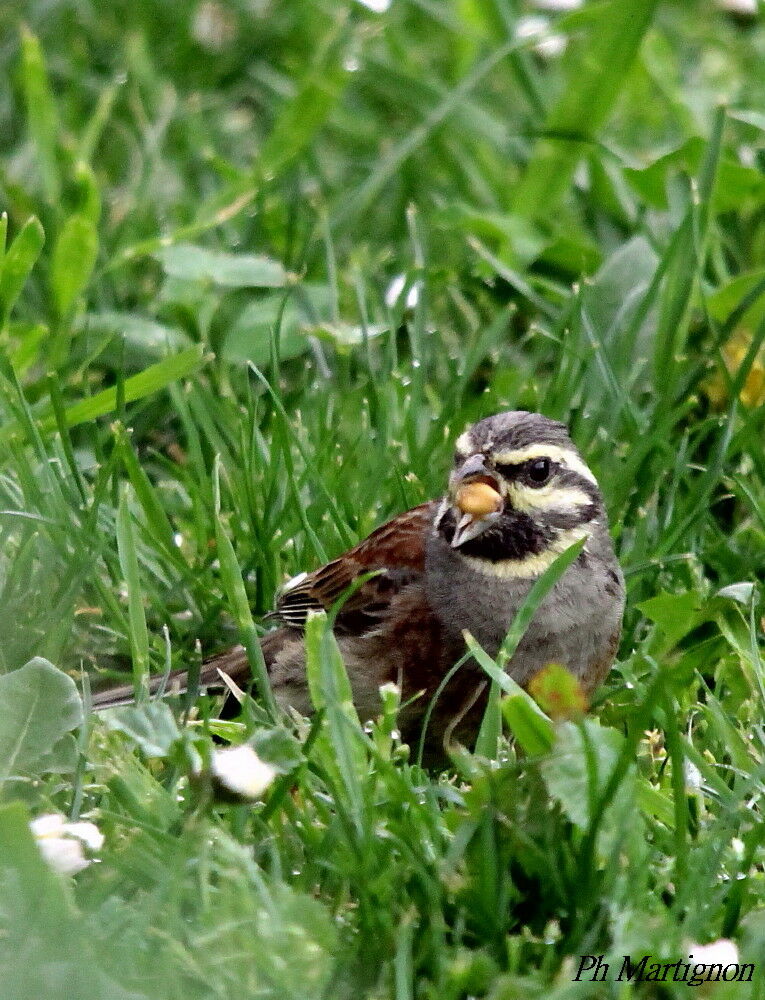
(232, 662)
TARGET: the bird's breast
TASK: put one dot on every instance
(572, 626)
(469, 599)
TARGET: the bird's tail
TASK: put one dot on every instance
(233, 663)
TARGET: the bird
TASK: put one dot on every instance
(519, 494)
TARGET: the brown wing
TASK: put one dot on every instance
(394, 552)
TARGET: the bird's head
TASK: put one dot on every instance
(519, 495)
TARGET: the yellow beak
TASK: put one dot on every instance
(477, 499)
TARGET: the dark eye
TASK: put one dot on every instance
(538, 471)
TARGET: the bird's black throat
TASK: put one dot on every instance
(514, 535)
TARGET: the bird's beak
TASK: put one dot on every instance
(475, 494)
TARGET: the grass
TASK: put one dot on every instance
(263, 264)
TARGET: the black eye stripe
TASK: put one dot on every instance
(519, 470)
(508, 471)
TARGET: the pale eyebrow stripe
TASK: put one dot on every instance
(464, 444)
(565, 456)
(526, 498)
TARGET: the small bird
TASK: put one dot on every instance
(519, 495)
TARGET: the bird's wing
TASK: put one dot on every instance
(394, 553)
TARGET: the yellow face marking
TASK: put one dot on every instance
(532, 566)
(464, 445)
(550, 497)
(564, 456)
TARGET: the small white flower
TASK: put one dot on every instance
(552, 46)
(693, 778)
(61, 843)
(557, 5)
(722, 952)
(239, 770)
(396, 287)
(212, 26)
(378, 6)
(743, 7)
(549, 44)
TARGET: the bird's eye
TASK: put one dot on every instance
(538, 471)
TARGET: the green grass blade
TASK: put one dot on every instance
(231, 576)
(42, 113)
(17, 264)
(138, 634)
(145, 383)
(595, 70)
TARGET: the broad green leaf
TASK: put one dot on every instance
(74, 257)
(195, 303)
(652, 180)
(249, 336)
(579, 765)
(655, 803)
(46, 949)
(278, 747)
(38, 705)
(230, 270)
(18, 263)
(88, 192)
(619, 286)
(739, 186)
(723, 302)
(528, 724)
(29, 339)
(145, 340)
(60, 759)
(152, 727)
(521, 239)
(571, 251)
(675, 614)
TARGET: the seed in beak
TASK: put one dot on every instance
(477, 499)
